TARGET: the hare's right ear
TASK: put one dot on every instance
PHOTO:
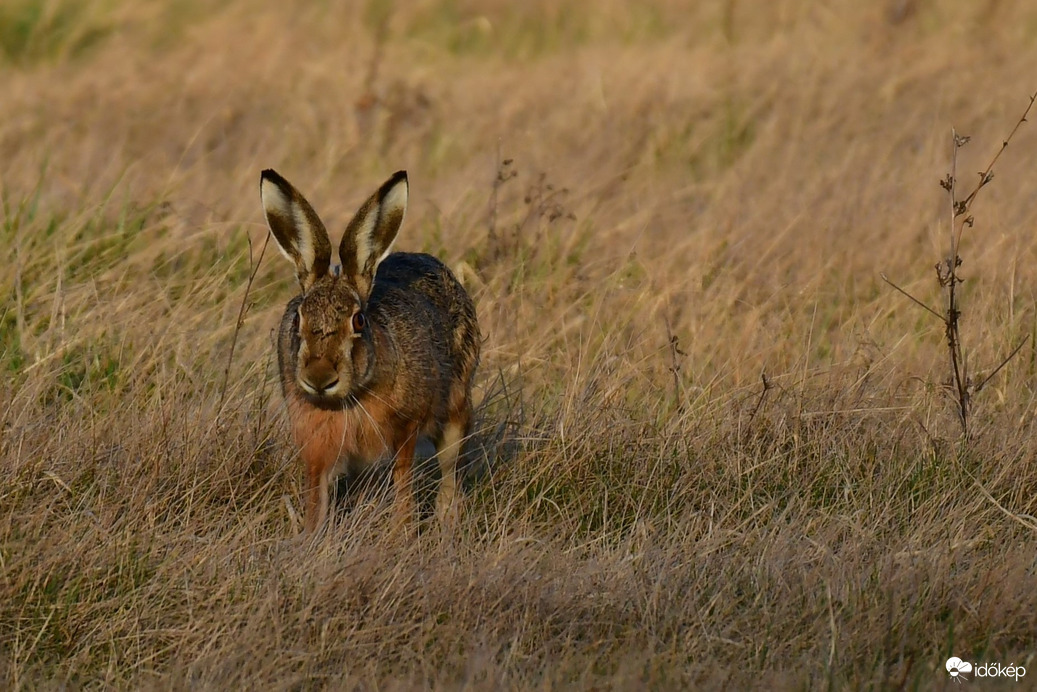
(370, 235)
(296, 228)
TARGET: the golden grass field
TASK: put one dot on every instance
(605, 178)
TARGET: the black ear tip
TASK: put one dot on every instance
(397, 178)
(271, 175)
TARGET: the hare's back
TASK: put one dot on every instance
(418, 290)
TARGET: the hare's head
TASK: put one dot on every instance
(335, 344)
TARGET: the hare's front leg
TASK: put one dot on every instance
(319, 464)
(403, 479)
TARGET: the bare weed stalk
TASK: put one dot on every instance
(254, 265)
(676, 356)
(503, 172)
(767, 386)
(962, 386)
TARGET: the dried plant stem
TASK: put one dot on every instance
(676, 355)
(1003, 363)
(254, 266)
(767, 386)
(987, 175)
(950, 280)
(492, 221)
(502, 173)
(947, 274)
(911, 297)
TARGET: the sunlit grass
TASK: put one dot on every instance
(714, 448)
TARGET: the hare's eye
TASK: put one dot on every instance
(359, 321)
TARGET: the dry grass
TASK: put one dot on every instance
(732, 174)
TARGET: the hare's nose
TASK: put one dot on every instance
(319, 377)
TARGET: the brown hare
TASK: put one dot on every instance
(372, 356)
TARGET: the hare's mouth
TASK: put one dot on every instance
(335, 396)
(331, 389)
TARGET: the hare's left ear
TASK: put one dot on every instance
(371, 233)
(296, 228)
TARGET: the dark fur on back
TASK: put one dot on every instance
(405, 286)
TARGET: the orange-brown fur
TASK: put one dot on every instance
(330, 438)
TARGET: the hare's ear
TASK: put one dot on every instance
(370, 234)
(296, 228)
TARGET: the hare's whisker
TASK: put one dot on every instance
(374, 423)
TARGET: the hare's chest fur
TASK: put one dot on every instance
(355, 437)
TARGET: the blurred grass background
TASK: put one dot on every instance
(722, 449)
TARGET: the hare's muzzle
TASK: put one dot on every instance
(318, 377)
